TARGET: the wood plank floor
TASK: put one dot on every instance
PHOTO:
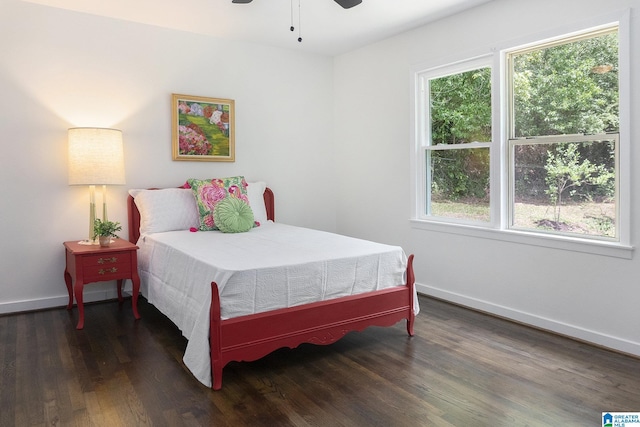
(462, 368)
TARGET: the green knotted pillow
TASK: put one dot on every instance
(233, 215)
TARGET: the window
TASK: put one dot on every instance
(456, 123)
(536, 154)
(564, 136)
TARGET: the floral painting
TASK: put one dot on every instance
(203, 128)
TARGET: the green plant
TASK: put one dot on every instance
(105, 228)
(566, 171)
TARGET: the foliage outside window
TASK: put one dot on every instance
(561, 153)
(564, 138)
(457, 155)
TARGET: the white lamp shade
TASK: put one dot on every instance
(96, 157)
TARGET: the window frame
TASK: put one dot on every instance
(423, 139)
(498, 228)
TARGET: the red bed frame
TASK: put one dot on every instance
(251, 337)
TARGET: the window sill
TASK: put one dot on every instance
(611, 249)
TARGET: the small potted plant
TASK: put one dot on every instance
(105, 230)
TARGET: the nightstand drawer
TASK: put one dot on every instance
(113, 265)
(99, 274)
(105, 260)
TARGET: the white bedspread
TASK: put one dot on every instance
(272, 266)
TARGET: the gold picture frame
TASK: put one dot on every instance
(202, 128)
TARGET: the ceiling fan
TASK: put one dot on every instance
(344, 3)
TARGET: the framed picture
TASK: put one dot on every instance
(202, 128)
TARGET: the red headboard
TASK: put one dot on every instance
(134, 214)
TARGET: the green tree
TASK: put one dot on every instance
(570, 88)
(567, 172)
(566, 89)
(461, 107)
(461, 113)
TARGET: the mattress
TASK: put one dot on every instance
(270, 267)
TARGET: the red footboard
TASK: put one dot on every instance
(251, 337)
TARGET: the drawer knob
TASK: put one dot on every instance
(108, 270)
(105, 260)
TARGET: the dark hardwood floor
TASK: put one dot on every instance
(462, 368)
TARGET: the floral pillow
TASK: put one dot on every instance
(209, 192)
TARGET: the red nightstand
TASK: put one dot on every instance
(93, 263)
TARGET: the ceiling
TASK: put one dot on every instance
(325, 27)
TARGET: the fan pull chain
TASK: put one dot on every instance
(292, 27)
(299, 23)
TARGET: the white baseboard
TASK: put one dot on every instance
(89, 295)
(582, 334)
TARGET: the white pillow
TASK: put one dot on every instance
(167, 209)
(255, 193)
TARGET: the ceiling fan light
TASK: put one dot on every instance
(348, 3)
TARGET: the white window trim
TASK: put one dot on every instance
(423, 129)
(497, 229)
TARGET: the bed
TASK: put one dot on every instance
(193, 278)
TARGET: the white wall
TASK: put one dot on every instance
(61, 69)
(595, 298)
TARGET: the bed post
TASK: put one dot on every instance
(411, 283)
(215, 338)
(133, 215)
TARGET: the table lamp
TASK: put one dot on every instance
(96, 157)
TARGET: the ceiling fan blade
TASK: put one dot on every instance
(348, 3)
(241, 1)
